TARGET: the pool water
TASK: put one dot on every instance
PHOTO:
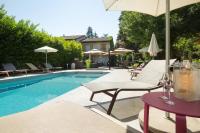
(22, 94)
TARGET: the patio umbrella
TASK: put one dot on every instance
(151, 7)
(122, 51)
(46, 50)
(94, 52)
(153, 48)
(145, 50)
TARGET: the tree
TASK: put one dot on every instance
(95, 35)
(135, 29)
(187, 48)
(89, 33)
(105, 35)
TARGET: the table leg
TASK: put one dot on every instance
(181, 124)
(146, 118)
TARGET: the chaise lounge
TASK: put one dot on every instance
(33, 67)
(6, 73)
(11, 68)
(50, 67)
(147, 80)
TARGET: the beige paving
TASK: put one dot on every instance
(126, 108)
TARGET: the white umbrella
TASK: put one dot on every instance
(94, 52)
(145, 50)
(151, 7)
(122, 50)
(111, 53)
(153, 48)
(46, 50)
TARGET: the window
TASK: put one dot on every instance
(87, 47)
(103, 47)
(97, 46)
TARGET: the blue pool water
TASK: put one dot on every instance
(21, 94)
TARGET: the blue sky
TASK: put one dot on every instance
(68, 17)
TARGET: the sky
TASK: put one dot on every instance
(65, 17)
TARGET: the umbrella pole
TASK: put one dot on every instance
(109, 58)
(132, 56)
(90, 58)
(167, 46)
(46, 60)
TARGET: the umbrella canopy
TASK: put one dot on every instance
(145, 50)
(153, 47)
(94, 52)
(46, 50)
(111, 53)
(151, 7)
(122, 51)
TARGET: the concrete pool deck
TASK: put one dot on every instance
(126, 108)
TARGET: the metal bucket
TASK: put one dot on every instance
(187, 84)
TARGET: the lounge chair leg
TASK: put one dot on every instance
(7, 74)
(92, 96)
(131, 76)
(112, 103)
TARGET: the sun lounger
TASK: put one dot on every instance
(147, 80)
(5, 72)
(33, 67)
(11, 67)
(135, 71)
(49, 66)
(60, 117)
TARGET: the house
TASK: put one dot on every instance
(78, 38)
(100, 43)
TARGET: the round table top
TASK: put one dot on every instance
(180, 107)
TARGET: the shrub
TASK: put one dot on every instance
(19, 39)
(187, 48)
(88, 63)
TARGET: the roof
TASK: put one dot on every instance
(75, 37)
(101, 39)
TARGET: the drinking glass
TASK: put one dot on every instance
(163, 83)
(168, 87)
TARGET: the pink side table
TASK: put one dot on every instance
(181, 109)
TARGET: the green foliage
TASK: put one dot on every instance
(88, 63)
(19, 39)
(196, 60)
(90, 33)
(187, 48)
(135, 29)
(111, 42)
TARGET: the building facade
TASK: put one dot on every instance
(102, 43)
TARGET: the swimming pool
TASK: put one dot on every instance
(20, 94)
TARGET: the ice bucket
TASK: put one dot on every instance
(187, 83)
